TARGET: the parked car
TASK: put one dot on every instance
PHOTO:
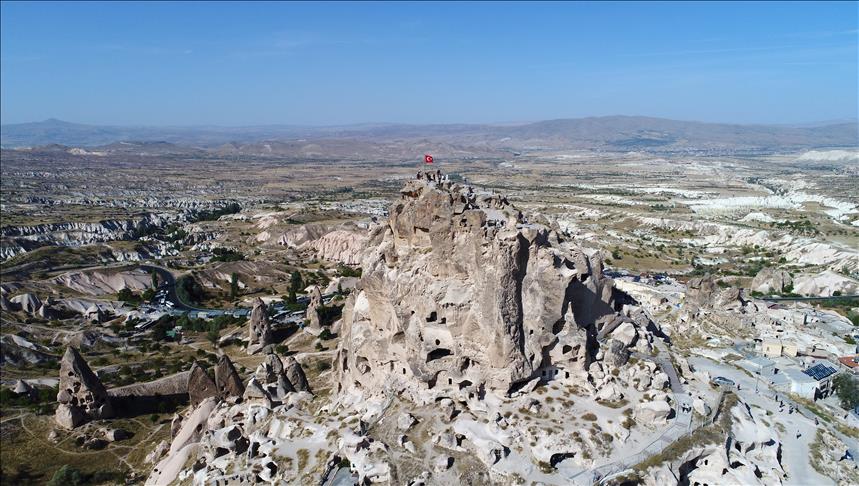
(722, 381)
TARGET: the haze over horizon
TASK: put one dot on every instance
(398, 123)
(340, 64)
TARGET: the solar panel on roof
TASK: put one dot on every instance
(819, 371)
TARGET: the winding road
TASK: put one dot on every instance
(168, 284)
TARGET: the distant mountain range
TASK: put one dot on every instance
(601, 133)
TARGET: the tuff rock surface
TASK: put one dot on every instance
(465, 316)
(259, 330)
(772, 280)
(81, 395)
(461, 293)
(313, 308)
(227, 379)
(200, 385)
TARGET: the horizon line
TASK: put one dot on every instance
(836, 121)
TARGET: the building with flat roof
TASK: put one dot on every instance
(760, 365)
(812, 383)
(796, 382)
(771, 348)
(851, 362)
(774, 348)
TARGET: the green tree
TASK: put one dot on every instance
(66, 476)
(295, 282)
(212, 335)
(189, 291)
(234, 285)
(154, 279)
(847, 388)
(347, 271)
(125, 295)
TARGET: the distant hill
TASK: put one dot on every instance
(608, 133)
(54, 131)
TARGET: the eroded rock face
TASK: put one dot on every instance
(343, 246)
(28, 303)
(184, 444)
(653, 412)
(81, 395)
(772, 280)
(7, 305)
(313, 308)
(227, 380)
(702, 291)
(462, 301)
(705, 293)
(270, 378)
(295, 374)
(342, 243)
(259, 332)
(463, 294)
(22, 388)
(750, 454)
(200, 385)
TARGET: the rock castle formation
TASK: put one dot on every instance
(464, 306)
(461, 293)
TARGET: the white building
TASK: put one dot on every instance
(812, 383)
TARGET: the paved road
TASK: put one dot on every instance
(343, 477)
(168, 284)
(776, 298)
(852, 444)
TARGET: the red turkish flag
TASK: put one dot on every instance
(428, 158)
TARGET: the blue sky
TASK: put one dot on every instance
(338, 63)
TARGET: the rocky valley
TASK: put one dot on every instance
(556, 315)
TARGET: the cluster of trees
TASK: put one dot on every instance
(71, 476)
(189, 290)
(173, 234)
(126, 295)
(296, 284)
(226, 255)
(41, 403)
(803, 227)
(234, 286)
(211, 327)
(847, 387)
(329, 313)
(214, 214)
(347, 271)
